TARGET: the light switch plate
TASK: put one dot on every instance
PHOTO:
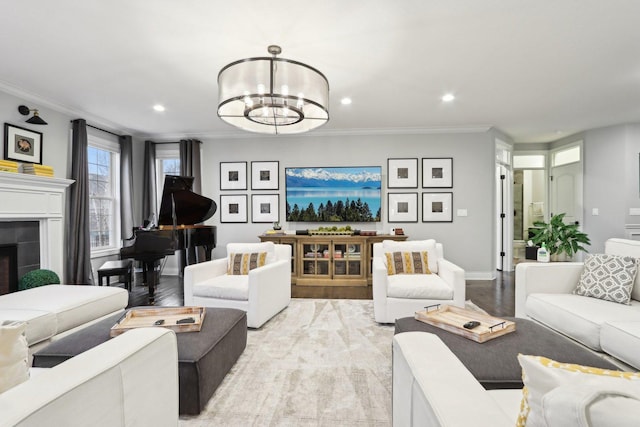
(462, 212)
(634, 211)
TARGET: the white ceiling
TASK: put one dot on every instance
(535, 69)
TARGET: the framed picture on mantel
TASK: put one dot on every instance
(22, 145)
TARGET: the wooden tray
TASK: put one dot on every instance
(145, 318)
(451, 318)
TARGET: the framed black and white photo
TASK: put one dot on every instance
(265, 208)
(233, 175)
(402, 207)
(264, 175)
(22, 145)
(437, 207)
(402, 173)
(233, 208)
(437, 173)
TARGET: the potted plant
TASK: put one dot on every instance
(559, 238)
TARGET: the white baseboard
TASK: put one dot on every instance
(479, 275)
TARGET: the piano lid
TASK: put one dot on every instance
(191, 208)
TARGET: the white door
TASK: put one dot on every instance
(566, 184)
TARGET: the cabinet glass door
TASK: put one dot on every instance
(315, 259)
(347, 259)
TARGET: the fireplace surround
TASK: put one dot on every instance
(42, 199)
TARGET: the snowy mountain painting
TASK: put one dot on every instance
(337, 194)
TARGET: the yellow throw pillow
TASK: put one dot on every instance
(407, 263)
(541, 376)
(242, 263)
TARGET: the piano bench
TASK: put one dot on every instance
(117, 268)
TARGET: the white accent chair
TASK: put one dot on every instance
(401, 295)
(262, 293)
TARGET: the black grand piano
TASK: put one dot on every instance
(181, 212)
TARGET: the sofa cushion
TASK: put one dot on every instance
(418, 286)
(14, 354)
(573, 405)
(41, 325)
(608, 277)
(234, 287)
(622, 340)
(413, 246)
(73, 305)
(579, 317)
(242, 263)
(542, 375)
(240, 248)
(407, 262)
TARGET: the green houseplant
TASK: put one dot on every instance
(558, 237)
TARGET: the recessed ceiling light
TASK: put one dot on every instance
(448, 97)
(158, 107)
(345, 101)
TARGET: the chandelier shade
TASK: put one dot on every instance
(273, 95)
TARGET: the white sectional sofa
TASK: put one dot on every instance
(129, 380)
(53, 311)
(544, 294)
(431, 387)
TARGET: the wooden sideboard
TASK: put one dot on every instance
(324, 266)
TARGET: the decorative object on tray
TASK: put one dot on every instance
(330, 231)
(22, 144)
(453, 319)
(179, 319)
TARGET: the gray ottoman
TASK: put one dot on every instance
(495, 363)
(204, 357)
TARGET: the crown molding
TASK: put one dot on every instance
(19, 92)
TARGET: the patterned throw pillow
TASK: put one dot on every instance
(541, 376)
(407, 263)
(244, 262)
(608, 277)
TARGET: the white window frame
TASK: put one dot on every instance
(115, 234)
(164, 152)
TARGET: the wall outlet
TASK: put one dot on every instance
(462, 212)
(634, 211)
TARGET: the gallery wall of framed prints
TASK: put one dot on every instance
(234, 176)
(437, 174)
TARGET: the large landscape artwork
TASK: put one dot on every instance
(336, 194)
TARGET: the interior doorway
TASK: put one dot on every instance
(529, 206)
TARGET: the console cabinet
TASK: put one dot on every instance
(330, 260)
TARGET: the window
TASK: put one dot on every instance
(104, 194)
(529, 161)
(566, 156)
(167, 163)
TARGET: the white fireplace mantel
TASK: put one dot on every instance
(26, 197)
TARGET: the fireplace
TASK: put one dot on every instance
(8, 269)
(38, 201)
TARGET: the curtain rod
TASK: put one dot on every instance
(100, 129)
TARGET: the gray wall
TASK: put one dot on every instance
(467, 240)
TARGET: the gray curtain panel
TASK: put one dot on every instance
(126, 186)
(149, 187)
(190, 162)
(79, 269)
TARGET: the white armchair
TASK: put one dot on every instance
(262, 293)
(401, 295)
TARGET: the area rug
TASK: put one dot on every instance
(317, 363)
